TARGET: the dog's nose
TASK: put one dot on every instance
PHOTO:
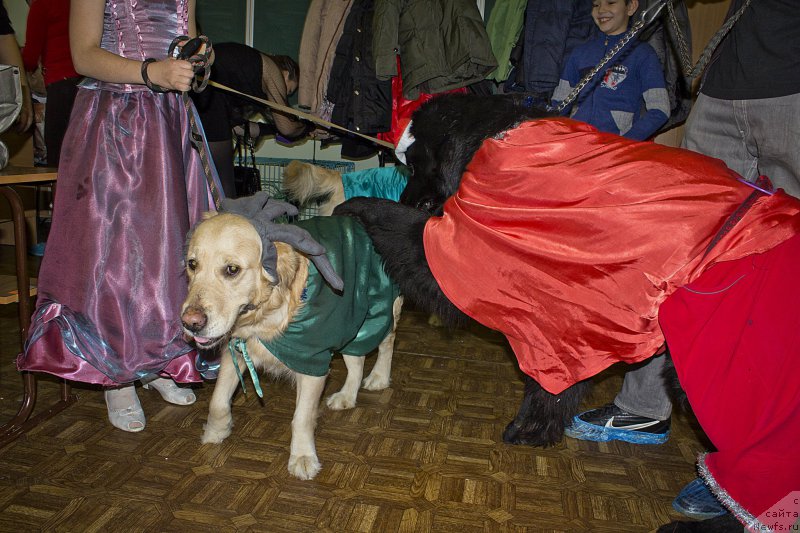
(194, 319)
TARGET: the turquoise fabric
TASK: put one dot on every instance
(354, 322)
(380, 182)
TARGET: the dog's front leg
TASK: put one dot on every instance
(381, 373)
(543, 416)
(220, 421)
(303, 462)
(346, 397)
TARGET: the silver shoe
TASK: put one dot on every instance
(130, 418)
(170, 391)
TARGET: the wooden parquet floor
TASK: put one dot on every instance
(424, 455)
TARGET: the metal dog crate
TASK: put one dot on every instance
(271, 169)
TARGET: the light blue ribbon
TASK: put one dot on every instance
(240, 346)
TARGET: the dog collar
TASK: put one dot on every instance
(239, 346)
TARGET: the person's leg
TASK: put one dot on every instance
(774, 128)
(124, 410)
(718, 128)
(640, 413)
(60, 97)
(169, 390)
(222, 153)
(644, 390)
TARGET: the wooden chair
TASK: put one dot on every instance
(23, 420)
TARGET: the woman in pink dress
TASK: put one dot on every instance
(130, 186)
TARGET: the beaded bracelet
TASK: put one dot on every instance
(150, 85)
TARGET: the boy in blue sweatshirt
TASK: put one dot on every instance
(633, 80)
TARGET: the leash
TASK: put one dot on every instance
(762, 186)
(301, 114)
(239, 346)
(190, 51)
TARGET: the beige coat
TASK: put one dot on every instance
(323, 28)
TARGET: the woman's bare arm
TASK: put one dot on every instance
(86, 30)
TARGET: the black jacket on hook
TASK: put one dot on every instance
(361, 102)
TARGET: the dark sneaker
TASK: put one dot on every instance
(612, 423)
(696, 500)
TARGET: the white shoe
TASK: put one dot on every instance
(171, 392)
(124, 410)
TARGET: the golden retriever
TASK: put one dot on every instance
(231, 296)
(304, 184)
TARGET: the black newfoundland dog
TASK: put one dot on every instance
(448, 131)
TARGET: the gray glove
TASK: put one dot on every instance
(261, 210)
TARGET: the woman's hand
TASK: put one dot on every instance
(173, 74)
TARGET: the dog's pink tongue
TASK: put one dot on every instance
(201, 340)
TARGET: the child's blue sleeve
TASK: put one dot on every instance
(654, 94)
(569, 79)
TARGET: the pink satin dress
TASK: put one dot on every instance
(130, 186)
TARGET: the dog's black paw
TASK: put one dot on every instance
(542, 416)
(365, 210)
(380, 212)
(532, 434)
(721, 524)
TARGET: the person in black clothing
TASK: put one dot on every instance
(247, 70)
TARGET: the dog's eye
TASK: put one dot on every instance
(191, 264)
(232, 270)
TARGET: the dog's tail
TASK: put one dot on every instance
(304, 184)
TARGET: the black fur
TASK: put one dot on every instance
(448, 130)
(396, 232)
(542, 417)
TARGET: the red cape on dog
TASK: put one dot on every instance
(569, 240)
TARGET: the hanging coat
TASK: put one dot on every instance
(443, 44)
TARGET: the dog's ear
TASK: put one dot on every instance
(209, 214)
(292, 270)
(288, 263)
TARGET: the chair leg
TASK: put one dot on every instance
(22, 421)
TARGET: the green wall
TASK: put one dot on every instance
(277, 24)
